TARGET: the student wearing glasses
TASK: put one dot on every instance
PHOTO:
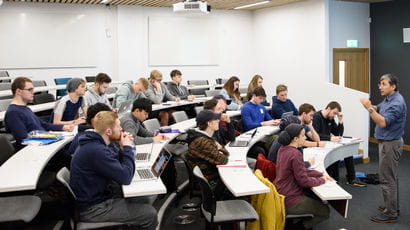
(19, 119)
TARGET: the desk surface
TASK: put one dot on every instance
(22, 171)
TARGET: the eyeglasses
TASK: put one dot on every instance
(29, 89)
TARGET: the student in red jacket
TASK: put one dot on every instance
(292, 177)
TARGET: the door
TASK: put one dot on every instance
(354, 64)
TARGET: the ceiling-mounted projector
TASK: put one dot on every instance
(192, 7)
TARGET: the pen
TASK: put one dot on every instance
(346, 137)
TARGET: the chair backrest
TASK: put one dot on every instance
(179, 116)
(63, 175)
(43, 98)
(39, 83)
(267, 167)
(90, 78)
(221, 81)
(5, 86)
(61, 81)
(5, 80)
(4, 103)
(111, 90)
(151, 124)
(198, 82)
(198, 91)
(4, 73)
(6, 150)
(208, 198)
(243, 90)
(211, 93)
(198, 109)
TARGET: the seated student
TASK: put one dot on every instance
(88, 126)
(157, 92)
(281, 104)
(254, 114)
(131, 122)
(256, 81)
(176, 89)
(325, 125)
(67, 108)
(96, 94)
(230, 91)
(19, 120)
(96, 164)
(204, 151)
(130, 91)
(292, 178)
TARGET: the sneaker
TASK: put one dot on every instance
(356, 182)
(383, 209)
(382, 218)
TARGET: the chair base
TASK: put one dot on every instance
(184, 219)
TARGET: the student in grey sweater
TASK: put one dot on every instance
(131, 122)
(130, 91)
(157, 92)
(175, 87)
(96, 94)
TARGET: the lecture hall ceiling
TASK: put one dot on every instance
(215, 4)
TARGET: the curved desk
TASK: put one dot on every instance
(325, 156)
(22, 171)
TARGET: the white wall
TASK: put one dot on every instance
(234, 36)
(347, 21)
(105, 46)
(291, 47)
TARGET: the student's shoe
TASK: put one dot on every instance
(383, 209)
(382, 218)
(356, 182)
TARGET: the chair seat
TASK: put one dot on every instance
(232, 211)
(96, 225)
(16, 208)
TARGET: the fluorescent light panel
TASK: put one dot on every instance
(105, 1)
(250, 5)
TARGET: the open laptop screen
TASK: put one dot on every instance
(161, 162)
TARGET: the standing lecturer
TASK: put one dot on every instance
(390, 119)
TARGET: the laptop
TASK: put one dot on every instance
(155, 171)
(290, 113)
(242, 143)
(125, 107)
(144, 156)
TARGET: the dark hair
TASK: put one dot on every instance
(203, 126)
(94, 109)
(229, 86)
(306, 108)
(19, 83)
(334, 105)
(259, 91)
(392, 79)
(290, 132)
(210, 104)
(102, 78)
(174, 73)
(142, 104)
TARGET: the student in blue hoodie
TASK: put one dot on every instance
(281, 104)
(254, 114)
(96, 164)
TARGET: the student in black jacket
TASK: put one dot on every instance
(325, 125)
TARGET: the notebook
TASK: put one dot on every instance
(155, 171)
(125, 107)
(144, 156)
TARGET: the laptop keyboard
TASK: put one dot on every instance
(141, 156)
(144, 173)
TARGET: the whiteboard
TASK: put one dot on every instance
(183, 41)
(44, 40)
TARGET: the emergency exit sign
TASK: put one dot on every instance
(352, 43)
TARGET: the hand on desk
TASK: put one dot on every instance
(191, 97)
(159, 137)
(311, 161)
(336, 138)
(327, 178)
(68, 128)
(79, 120)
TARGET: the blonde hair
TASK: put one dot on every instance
(104, 120)
(281, 88)
(254, 83)
(144, 82)
(155, 74)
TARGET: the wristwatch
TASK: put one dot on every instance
(371, 110)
